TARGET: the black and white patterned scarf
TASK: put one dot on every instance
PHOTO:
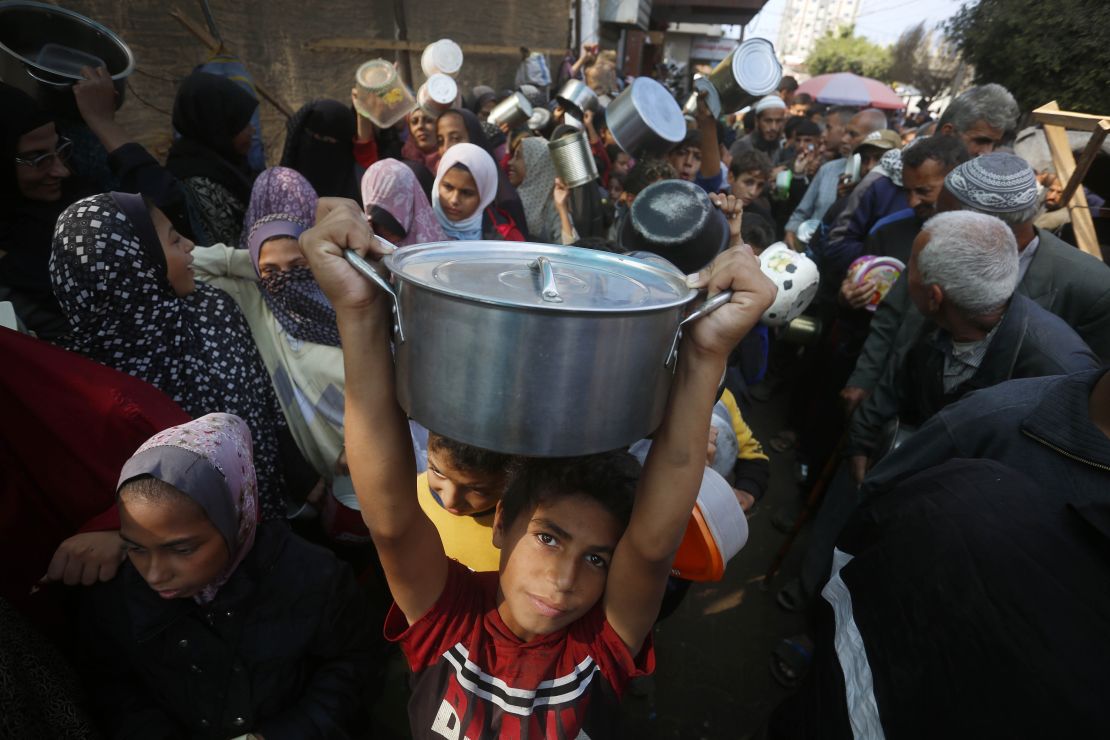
(109, 275)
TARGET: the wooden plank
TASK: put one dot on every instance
(1050, 113)
(1088, 158)
(216, 47)
(1064, 163)
(356, 44)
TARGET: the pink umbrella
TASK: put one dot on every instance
(845, 88)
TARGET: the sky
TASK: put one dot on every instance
(881, 21)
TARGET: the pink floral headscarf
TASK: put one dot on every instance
(392, 186)
(223, 484)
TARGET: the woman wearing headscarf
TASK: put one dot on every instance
(212, 114)
(461, 126)
(218, 626)
(124, 280)
(291, 321)
(421, 147)
(319, 143)
(465, 187)
(533, 173)
(397, 206)
(35, 187)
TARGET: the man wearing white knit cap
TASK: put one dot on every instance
(770, 118)
(1055, 275)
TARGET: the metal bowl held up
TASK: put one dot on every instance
(645, 118)
(43, 47)
(747, 74)
(513, 110)
(573, 159)
(577, 97)
(534, 349)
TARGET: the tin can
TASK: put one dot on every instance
(573, 159)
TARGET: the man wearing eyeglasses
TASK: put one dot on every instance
(32, 194)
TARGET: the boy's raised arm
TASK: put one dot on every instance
(376, 430)
(673, 471)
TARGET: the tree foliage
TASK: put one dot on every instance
(917, 61)
(843, 51)
(1039, 51)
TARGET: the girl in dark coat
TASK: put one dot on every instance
(319, 143)
(217, 626)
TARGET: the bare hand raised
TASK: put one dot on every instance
(96, 96)
(341, 224)
(736, 269)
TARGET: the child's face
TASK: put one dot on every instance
(748, 186)
(554, 563)
(173, 545)
(686, 162)
(280, 254)
(622, 164)
(177, 249)
(462, 492)
(458, 194)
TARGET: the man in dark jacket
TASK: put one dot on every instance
(961, 278)
(964, 604)
(1055, 275)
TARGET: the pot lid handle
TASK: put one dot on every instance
(549, 289)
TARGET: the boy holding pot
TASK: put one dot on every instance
(546, 645)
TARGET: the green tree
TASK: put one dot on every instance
(917, 61)
(843, 51)
(1039, 51)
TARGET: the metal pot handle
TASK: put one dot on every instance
(30, 73)
(359, 263)
(705, 308)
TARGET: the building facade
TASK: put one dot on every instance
(805, 21)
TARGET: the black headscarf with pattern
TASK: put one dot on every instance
(109, 274)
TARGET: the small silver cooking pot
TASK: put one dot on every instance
(573, 159)
(42, 50)
(577, 97)
(534, 349)
(645, 118)
(513, 110)
(750, 72)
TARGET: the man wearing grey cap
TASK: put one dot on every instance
(1060, 278)
(770, 118)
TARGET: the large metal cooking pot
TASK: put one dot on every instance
(577, 98)
(534, 349)
(42, 50)
(645, 118)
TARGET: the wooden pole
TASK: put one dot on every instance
(1063, 161)
(1087, 159)
(215, 46)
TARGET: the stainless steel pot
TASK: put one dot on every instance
(645, 118)
(42, 49)
(577, 97)
(746, 75)
(534, 349)
(573, 159)
(513, 110)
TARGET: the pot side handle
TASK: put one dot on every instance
(367, 270)
(31, 73)
(704, 309)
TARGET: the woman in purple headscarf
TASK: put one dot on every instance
(217, 625)
(292, 322)
(398, 209)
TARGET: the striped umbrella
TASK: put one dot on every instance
(845, 88)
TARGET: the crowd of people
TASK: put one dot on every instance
(218, 520)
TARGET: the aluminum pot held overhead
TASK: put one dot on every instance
(533, 349)
(577, 97)
(514, 110)
(645, 118)
(746, 75)
(42, 50)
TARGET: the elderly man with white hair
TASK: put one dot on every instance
(978, 332)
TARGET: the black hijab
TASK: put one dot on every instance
(209, 111)
(319, 143)
(27, 226)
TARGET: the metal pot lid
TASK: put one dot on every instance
(755, 67)
(543, 276)
(658, 109)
